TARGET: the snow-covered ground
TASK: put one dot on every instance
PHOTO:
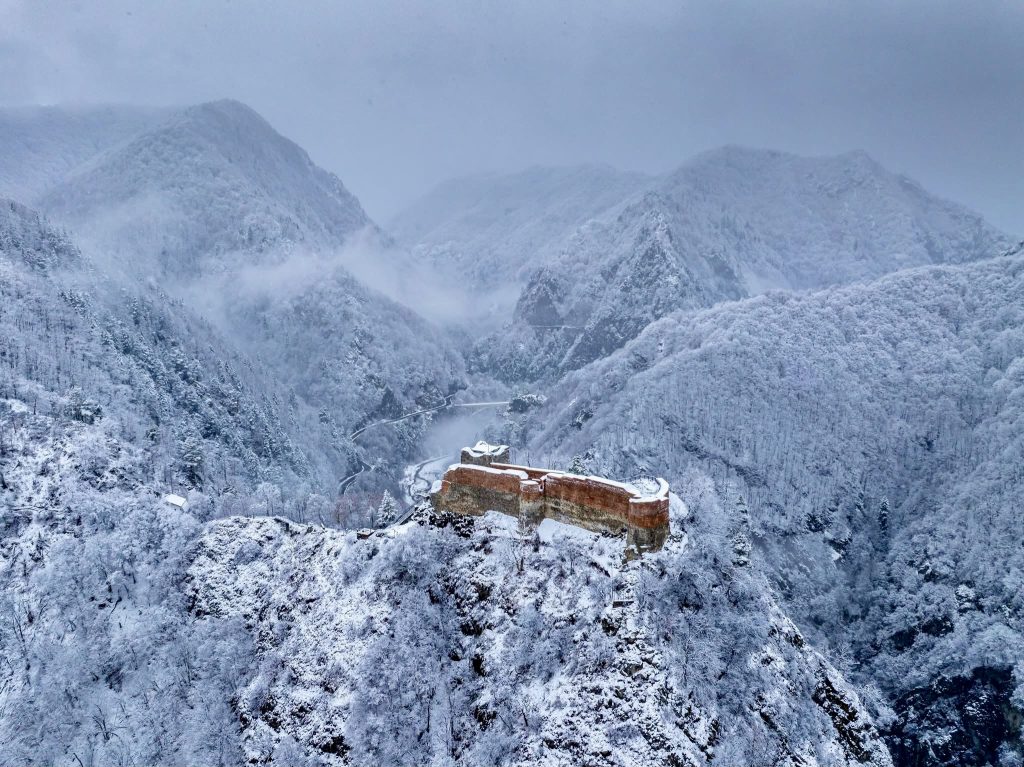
(850, 459)
(455, 641)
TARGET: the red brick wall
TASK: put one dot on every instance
(477, 476)
(588, 501)
(589, 492)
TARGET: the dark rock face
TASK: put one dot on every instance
(960, 721)
(857, 735)
(539, 302)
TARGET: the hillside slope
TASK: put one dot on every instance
(211, 186)
(236, 223)
(449, 641)
(44, 145)
(877, 432)
(223, 641)
(76, 344)
(729, 224)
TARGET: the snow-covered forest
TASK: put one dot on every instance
(226, 390)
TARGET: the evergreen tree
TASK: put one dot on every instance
(741, 546)
(388, 510)
(192, 459)
(883, 517)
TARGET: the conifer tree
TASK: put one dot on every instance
(387, 512)
(741, 546)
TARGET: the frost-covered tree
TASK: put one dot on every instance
(192, 460)
(883, 519)
(387, 510)
(741, 545)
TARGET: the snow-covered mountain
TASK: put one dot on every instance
(227, 641)
(77, 344)
(444, 641)
(817, 339)
(44, 145)
(489, 229)
(878, 433)
(348, 351)
(731, 223)
(211, 188)
(235, 221)
(223, 641)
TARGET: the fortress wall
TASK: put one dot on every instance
(532, 505)
(460, 499)
(473, 489)
(587, 502)
(531, 495)
(505, 480)
(648, 513)
(532, 473)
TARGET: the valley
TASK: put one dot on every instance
(825, 361)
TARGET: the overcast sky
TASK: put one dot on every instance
(395, 96)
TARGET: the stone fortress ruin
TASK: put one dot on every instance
(486, 481)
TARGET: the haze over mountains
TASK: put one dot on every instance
(44, 145)
(198, 308)
(493, 227)
(207, 184)
(219, 211)
(729, 224)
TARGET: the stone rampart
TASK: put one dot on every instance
(532, 495)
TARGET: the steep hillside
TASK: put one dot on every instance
(877, 432)
(237, 224)
(137, 632)
(199, 328)
(74, 343)
(347, 351)
(445, 641)
(212, 187)
(43, 145)
(490, 228)
(730, 224)
(100, 661)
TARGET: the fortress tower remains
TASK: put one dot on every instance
(486, 481)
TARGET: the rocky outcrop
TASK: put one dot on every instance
(960, 720)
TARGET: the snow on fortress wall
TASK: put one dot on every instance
(481, 483)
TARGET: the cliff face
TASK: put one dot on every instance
(467, 645)
(877, 433)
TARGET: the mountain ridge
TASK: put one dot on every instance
(211, 180)
(729, 224)
(42, 145)
(873, 429)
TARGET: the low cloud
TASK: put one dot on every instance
(380, 266)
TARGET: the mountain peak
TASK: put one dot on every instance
(731, 223)
(755, 158)
(229, 106)
(213, 180)
(229, 113)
